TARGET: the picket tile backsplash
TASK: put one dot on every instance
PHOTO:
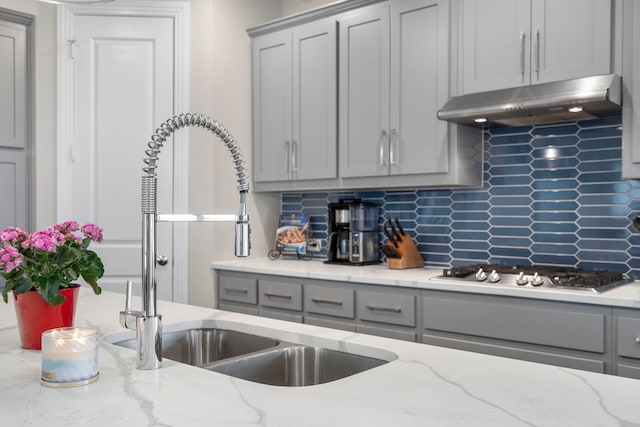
(551, 194)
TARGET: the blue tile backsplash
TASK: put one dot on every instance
(551, 194)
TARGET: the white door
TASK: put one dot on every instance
(122, 85)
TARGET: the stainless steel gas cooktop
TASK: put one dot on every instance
(536, 276)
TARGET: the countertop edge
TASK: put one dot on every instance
(625, 296)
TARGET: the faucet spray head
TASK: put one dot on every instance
(243, 230)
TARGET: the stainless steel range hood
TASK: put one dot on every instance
(568, 100)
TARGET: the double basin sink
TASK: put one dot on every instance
(258, 358)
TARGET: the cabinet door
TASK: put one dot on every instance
(495, 44)
(272, 77)
(419, 76)
(364, 92)
(571, 38)
(314, 143)
(631, 90)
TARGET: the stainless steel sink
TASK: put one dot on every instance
(296, 365)
(258, 358)
(201, 347)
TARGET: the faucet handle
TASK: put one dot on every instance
(127, 316)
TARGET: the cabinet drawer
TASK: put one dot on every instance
(555, 325)
(628, 371)
(628, 337)
(238, 289)
(387, 308)
(280, 295)
(329, 301)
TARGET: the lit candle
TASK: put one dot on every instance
(69, 357)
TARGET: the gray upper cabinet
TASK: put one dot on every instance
(364, 92)
(349, 100)
(510, 43)
(631, 90)
(393, 78)
(294, 115)
(272, 86)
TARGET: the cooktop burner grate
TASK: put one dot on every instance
(565, 277)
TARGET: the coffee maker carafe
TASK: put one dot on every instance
(353, 233)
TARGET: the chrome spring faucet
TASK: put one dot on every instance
(147, 322)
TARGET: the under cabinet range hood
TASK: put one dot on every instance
(568, 100)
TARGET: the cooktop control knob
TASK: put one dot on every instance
(494, 277)
(521, 280)
(536, 280)
(481, 276)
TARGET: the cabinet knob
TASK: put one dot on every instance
(638, 340)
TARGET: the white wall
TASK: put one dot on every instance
(291, 7)
(220, 85)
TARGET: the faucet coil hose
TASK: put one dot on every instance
(167, 128)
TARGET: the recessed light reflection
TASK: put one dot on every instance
(551, 153)
(480, 120)
(576, 109)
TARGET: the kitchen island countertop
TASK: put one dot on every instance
(627, 295)
(423, 385)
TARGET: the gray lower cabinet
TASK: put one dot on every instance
(237, 292)
(562, 334)
(582, 336)
(280, 298)
(626, 332)
(388, 312)
(330, 306)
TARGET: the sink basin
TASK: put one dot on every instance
(296, 365)
(259, 358)
(202, 346)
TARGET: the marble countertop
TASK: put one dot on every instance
(424, 385)
(627, 295)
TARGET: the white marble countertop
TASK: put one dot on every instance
(425, 278)
(425, 385)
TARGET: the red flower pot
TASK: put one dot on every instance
(35, 315)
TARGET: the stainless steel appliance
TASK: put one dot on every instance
(536, 276)
(353, 233)
(568, 100)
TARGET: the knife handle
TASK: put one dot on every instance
(389, 236)
(396, 235)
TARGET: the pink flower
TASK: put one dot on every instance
(92, 231)
(13, 235)
(67, 227)
(10, 259)
(46, 240)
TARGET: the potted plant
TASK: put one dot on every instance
(40, 270)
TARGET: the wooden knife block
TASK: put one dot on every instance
(409, 255)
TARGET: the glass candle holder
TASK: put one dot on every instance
(69, 357)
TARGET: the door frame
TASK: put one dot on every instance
(179, 12)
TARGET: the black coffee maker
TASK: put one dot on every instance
(353, 233)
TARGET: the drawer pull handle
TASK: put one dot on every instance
(270, 295)
(326, 301)
(238, 291)
(638, 340)
(385, 309)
